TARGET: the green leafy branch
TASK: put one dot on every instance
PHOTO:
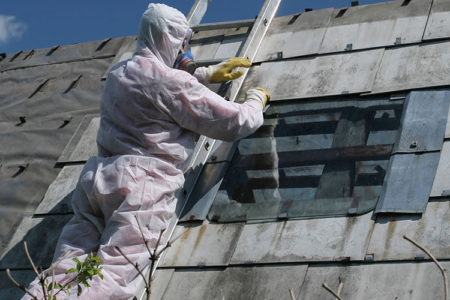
(85, 271)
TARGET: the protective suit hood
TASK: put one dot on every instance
(162, 30)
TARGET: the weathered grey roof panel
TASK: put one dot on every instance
(378, 25)
(414, 67)
(328, 239)
(83, 143)
(58, 197)
(320, 76)
(208, 244)
(294, 35)
(441, 184)
(69, 53)
(438, 25)
(41, 235)
(218, 43)
(431, 230)
(412, 281)
(268, 282)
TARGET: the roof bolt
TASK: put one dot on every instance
(184, 193)
(308, 9)
(265, 22)
(349, 47)
(369, 257)
(398, 41)
(280, 55)
(207, 146)
(213, 158)
(413, 144)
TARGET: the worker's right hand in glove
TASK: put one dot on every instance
(223, 71)
(258, 94)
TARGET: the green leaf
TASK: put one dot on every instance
(101, 275)
(75, 259)
(73, 270)
(80, 289)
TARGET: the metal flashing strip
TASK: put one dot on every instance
(408, 183)
(424, 112)
(412, 168)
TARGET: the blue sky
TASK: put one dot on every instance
(26, 25)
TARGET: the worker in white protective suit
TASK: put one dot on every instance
(151, 116)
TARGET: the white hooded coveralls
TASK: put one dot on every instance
(151, 116)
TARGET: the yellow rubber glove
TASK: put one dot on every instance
(259, 95)
(223, 71)
(265, 93)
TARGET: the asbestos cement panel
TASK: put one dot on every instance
(408, 183)
(125, 52)
(58, 197)
(41, 235)
(160, 282)
(69, 53)
(424, 112)
(438, 25)
(205, 245)
(414, 67)
(329, 239)
(441, 184)
(83, 143)
(431, 230)
(348, 73)
(401, 281)
(294, 35)
(370, 26)
(239, 283)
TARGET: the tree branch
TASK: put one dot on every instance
(325, 286)
(136, 266)
(39, 275)
(341, 285)
(19, 285)
(443, 271)
(291, 292)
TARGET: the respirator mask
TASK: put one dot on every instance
(185, 59)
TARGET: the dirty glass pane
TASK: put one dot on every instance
(311, 159)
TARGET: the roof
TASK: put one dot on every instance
(385, 65)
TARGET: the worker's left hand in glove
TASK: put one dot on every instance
(223, 71)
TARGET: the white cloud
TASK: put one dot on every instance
(10, 28)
